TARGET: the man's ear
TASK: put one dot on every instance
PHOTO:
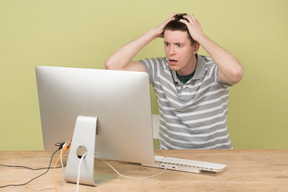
(195, 47)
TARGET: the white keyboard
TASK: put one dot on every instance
(186, 165)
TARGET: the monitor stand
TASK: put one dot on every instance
(84, 136)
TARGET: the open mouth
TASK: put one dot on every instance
(172, 61)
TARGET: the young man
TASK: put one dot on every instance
(192, 90)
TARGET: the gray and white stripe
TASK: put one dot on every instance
(192, 115)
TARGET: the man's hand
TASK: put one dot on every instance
(194, 27)
(158, 31)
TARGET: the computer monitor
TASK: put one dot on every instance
(119, 101)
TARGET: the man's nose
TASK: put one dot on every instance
(172, 50)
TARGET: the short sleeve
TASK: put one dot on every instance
(152, 66)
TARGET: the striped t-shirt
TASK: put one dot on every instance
(192, 115)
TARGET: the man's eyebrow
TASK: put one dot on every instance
(181, 42)
(178, 42)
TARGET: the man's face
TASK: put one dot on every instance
(179, 52)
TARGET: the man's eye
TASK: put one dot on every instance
(166, 43)
(179, 45)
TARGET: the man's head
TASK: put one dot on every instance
(179, 47)
(176, 25)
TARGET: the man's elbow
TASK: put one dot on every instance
(108, 65)
(237, 75)
(111, 64)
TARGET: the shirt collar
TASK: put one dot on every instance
(199, 73)
(200, 67)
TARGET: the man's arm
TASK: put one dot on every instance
(122, 59)
(230, 69)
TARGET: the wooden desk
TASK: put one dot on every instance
(248, 170)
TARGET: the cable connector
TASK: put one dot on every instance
(61, 145)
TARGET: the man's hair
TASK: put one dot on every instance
(176, 25)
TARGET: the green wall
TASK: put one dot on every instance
(84, 33)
